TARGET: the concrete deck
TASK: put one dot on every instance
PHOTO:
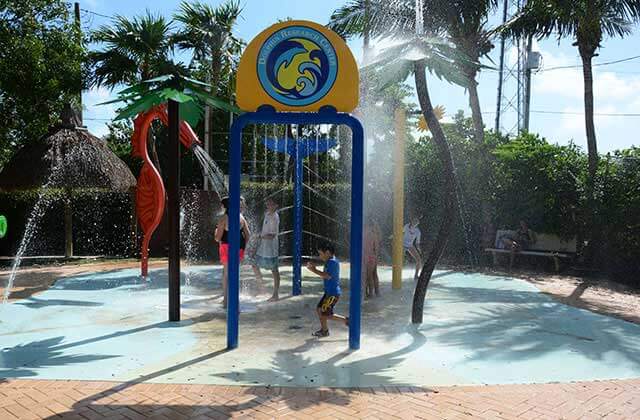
(478, 329)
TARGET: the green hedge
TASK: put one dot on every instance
(528, 178)
(102, 222)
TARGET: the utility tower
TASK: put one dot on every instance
(514, 83)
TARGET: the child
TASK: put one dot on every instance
(411, 242)
(267, 253)
(222, 237)
(371, 251)
(331, 277)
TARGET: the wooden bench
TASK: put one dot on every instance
(546, 245)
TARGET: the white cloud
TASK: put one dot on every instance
(573, 120)
(568, 82)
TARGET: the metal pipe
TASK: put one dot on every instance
(326, 115)
(313, 190)
(357, 210)
(173, 207)
(527, 87)
(233, 266)
(297, 225)
(503, 41)
(326, 216)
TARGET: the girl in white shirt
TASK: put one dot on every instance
(268, 248)
(411, 242)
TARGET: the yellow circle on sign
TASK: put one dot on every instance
(297, 66)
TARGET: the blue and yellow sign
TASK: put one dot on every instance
(297, 66)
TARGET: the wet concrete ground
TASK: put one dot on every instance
(477, 329)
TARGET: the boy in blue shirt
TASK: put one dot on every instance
(331, 277)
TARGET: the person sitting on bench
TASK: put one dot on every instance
(520, 240)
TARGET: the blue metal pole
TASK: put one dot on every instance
(326, 116)
(357, 192)
(233, 267)
(297, 225)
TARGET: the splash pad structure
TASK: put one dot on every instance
(298, 151)
(297, 72)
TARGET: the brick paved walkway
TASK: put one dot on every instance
(35, 399)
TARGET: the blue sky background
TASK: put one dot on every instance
(557, 93)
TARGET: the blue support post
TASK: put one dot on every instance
(267, 115)
(233, 267)
(357, 206)
(297, 225)
(298, 150)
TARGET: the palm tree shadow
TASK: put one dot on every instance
(521, 325)
(35, 303)
(290, 367)
(24, 359)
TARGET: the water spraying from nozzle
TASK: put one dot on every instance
(419, 17)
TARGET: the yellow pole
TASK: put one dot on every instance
(398, 198)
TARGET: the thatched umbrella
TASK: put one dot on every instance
(69, 158)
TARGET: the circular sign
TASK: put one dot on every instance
(3, 226)
(297, 66)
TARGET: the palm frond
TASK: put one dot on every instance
(395, 64)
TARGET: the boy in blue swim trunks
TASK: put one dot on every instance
(332, 292)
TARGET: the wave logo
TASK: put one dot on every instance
(297, 66)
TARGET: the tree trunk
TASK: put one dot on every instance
(476, 113)
(448, 210)
(488, 230)
(588, 114)
(591, 252)
(68, 226)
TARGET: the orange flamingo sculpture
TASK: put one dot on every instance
(150, 192)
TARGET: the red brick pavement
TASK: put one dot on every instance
(36, 399)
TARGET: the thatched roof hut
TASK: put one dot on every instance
(68, 157)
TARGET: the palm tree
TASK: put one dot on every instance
(208, 31)
(466, 25)
(134, 50)
(587, 22)
(417, 54)
(464, 21)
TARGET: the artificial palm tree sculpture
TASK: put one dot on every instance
(184, 96)
(419, 51)
(464, 22)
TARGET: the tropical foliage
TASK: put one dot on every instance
(587, 22)
(461, 177)
(41, 56)
(131, 50)
(532, 179)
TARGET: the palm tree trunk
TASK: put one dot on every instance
(476, 113)
(588, 114)
(448, 210)
(488, 230)
(586, 54)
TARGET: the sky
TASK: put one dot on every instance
(557, 95)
